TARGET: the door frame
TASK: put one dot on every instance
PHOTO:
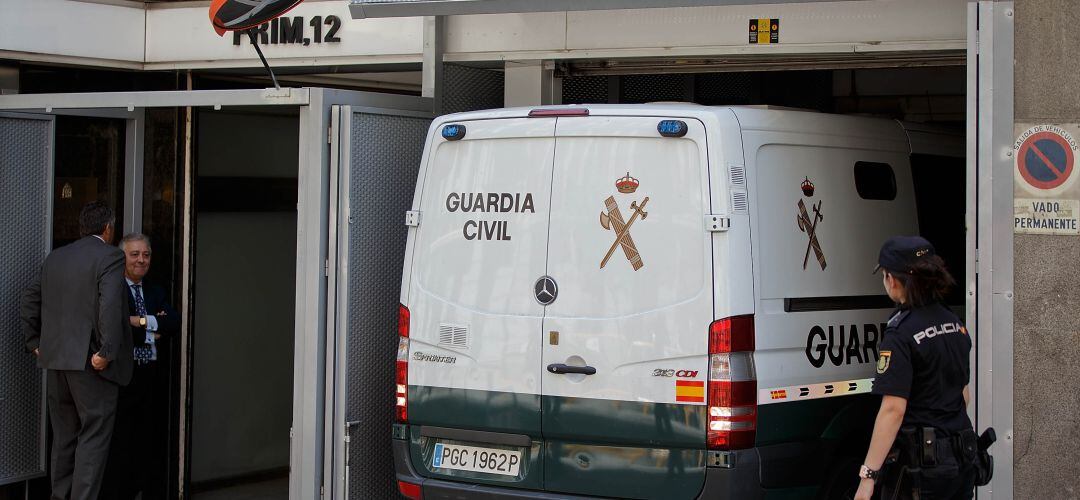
(306, 455)
(132, 215)
(133, 150)
(50, 180)
(335, 467)
(989, 286)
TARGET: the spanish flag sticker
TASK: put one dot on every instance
(690, 391)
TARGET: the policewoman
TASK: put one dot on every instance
(923, 371)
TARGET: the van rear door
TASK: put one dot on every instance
(632, 262)
(475, 352)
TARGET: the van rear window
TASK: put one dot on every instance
(875, 181)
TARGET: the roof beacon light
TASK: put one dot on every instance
(537, 113)
(453, 132)
(672, 128)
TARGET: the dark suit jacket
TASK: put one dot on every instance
(75, 307)
(155, 302)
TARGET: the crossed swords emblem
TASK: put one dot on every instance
(809, 227)
(613, 219)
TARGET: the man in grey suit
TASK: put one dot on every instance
(75, 321)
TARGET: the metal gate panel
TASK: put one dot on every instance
(380, 161)
(470, 89)
(26, 156)
(637, 89)
(717, 89)
(585, 89)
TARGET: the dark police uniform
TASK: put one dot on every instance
(924, 359)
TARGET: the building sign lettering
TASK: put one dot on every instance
(294, 30)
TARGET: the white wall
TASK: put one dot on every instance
(814, 27)
(64, 30)
(180, 36)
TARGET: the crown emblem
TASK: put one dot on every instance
(807, 187)
(627, 184)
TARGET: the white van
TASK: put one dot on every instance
(647, 301)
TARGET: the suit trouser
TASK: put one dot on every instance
(137, 441)
(82, 409)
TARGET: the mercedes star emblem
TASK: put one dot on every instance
(546, 290)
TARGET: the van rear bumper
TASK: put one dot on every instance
(437, 489)
(741, 481)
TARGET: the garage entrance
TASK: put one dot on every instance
(848, 57)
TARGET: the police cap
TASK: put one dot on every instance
(899, 254)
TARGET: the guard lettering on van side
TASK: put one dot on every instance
(843, 345)
(497, 230)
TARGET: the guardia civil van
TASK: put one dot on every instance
(647, 301)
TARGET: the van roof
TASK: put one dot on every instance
(764, 118)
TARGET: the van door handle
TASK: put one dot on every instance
(560, 368)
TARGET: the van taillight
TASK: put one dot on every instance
(409, 490)
(733, 334)
(403, 321)
(732, 384)
(401, 369)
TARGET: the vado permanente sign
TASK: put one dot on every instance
(1046, 193)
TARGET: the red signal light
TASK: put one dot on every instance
(734, 334)
(401, 368)
(732, 421)
(537, 113)
(410, 490)
(732, 414)
(403, 321)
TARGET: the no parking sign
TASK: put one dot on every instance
(1046, 194)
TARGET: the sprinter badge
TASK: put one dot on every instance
(612, 219)
(809, 226)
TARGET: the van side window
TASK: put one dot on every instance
(875, 181)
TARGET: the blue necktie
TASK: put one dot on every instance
(140, 306)
(148, 353)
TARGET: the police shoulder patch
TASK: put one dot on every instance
(883, 361)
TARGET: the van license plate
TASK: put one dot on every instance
(475, 459)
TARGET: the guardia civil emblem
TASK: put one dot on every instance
(611, 219)
(808, 225)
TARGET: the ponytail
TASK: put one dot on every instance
(927, 282)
